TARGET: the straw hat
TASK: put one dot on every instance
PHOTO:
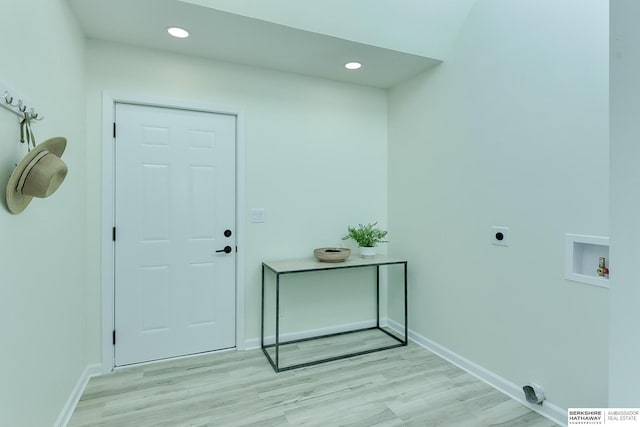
(39, 174)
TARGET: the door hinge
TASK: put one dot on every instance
(114, 337)
(114, 129)
(114, 234)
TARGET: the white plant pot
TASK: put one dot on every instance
(367, 252)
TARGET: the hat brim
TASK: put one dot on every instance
(16, 201)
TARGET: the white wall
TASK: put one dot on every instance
(624, 369)
(512, 130)
(42, 249)
(315, 161)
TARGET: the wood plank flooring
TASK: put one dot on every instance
(332, 346)
(406, 386)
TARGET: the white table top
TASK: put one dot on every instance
(311, 264)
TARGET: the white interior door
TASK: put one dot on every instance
(174, 213)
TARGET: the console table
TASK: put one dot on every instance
(280, 268)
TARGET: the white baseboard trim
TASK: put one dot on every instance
(254, 343)
(70, 406)
(548, 410)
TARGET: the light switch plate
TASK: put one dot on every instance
(499, 235)
(257, 215)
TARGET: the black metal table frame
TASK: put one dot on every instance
(276, 363)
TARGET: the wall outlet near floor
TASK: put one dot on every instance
(499, 235)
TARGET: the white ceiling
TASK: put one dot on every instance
(421, 27)
(233, 37)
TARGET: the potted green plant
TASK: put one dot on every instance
(367, 236)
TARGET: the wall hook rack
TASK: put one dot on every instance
(13, 101)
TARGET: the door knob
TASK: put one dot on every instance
(226, 250)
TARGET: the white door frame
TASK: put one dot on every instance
(109, 100)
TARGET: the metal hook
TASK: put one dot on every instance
(32, 115)
(7, 97)
(19, 106)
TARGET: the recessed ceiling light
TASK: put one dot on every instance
(352, 65)
(178, 32)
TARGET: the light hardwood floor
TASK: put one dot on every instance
(406, 386)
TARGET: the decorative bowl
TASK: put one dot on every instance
(332, 254)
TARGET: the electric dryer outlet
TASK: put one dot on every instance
(500, 235)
